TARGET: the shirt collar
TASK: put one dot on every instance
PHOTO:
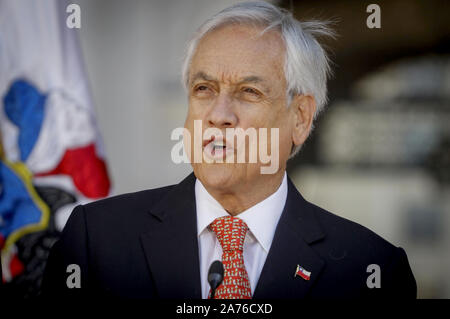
(261, 219)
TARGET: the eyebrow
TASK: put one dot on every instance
(202, 76)
(248, 79)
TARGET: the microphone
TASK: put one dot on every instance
(215, 276)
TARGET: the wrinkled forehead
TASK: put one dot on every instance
(236, 51)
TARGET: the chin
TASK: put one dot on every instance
(218, 176)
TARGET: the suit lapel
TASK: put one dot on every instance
(295, 232)
(171, 244)
(171, 247)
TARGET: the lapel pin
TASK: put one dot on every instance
(300, 271)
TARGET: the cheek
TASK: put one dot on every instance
(276, 118)
(196, 111)
(285, 142)
(189, 122)
(252, 117)
(188, 137)
(284, 126)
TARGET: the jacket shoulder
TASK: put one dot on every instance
(344, 235)
(354, 251)
(128, 203)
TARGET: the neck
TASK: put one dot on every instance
(239, 200)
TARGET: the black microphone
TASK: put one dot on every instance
(215, 276)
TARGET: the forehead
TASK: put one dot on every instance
(233, 52)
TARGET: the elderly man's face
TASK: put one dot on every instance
(237, 81)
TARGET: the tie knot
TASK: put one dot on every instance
(230, 232)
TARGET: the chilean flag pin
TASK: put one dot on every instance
(300, 271)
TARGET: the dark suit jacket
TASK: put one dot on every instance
(144, 245)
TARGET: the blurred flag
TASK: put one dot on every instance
(51, 155)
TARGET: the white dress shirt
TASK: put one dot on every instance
(261, 219)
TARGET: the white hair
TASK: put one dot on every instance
(306, 65)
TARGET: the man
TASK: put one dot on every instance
(251, 66)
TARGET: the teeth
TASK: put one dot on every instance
(219, 144)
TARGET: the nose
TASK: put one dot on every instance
(221, 114)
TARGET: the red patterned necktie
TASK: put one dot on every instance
(231, 233)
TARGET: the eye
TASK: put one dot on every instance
(250, 90)
(250, 94)
(201, 88)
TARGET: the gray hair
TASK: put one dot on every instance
(306, 65)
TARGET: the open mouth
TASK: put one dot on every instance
(216, 147)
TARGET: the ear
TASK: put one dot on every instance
(303, 108)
